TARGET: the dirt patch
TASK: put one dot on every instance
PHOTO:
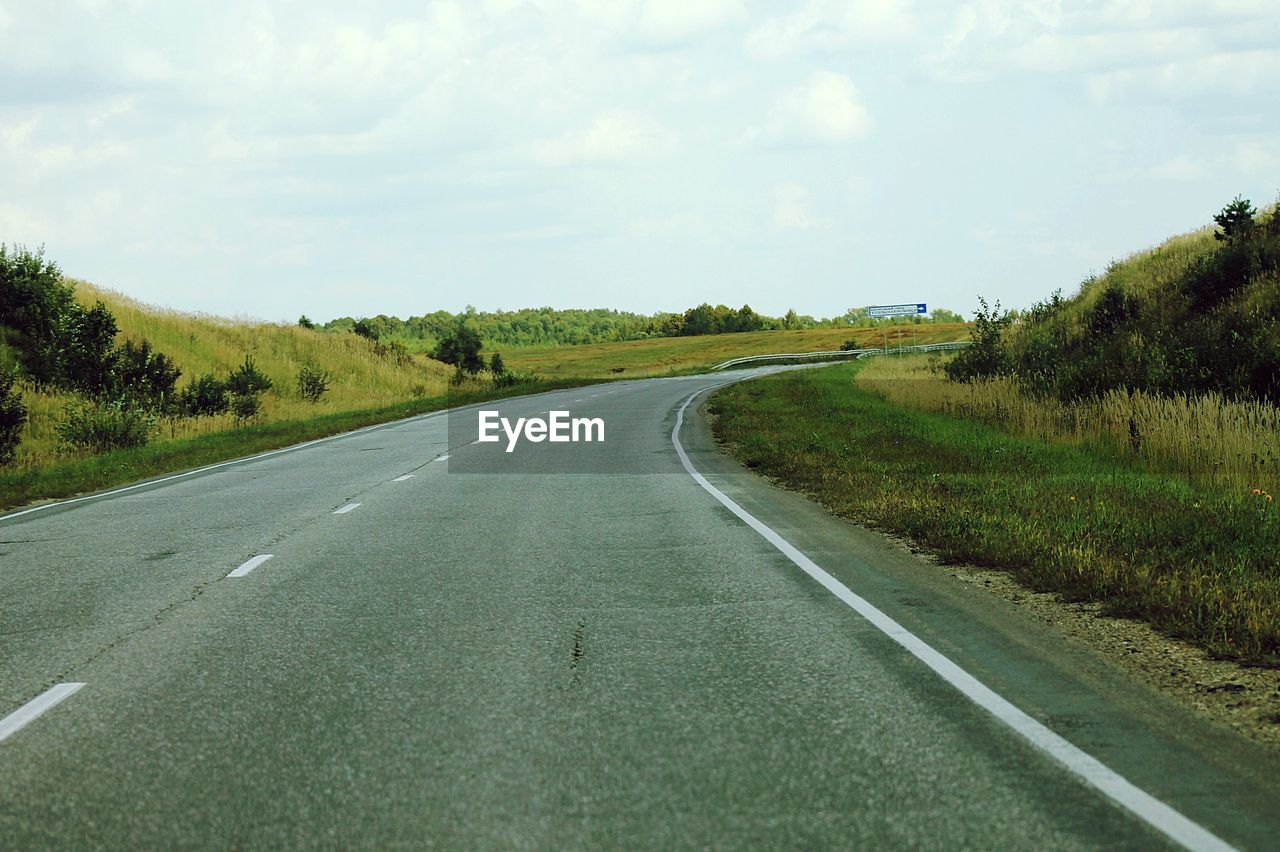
(1246, 699)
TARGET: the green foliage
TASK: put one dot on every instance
(144, 376)
(204, 397)
(34, 301)
(313, 383)
(1210, 322)
(461, 348)
(13, 416)
(1236, 220)
(513, 378)
(88, 357)
(102, 426)
(305, 322)
(245, 406)
(247, 380)
(496, 365)
(370, 329)
(986, 355)
(1190, 559)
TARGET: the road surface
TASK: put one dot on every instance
(427, 642)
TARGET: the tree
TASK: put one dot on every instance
(13, 416)
(144, 375)
(791, 321)
(34, 301)
(88, 356)
(204, 397)
(496, 365)
(1236, 220)
(986, 355)
(247, 380)
(306, 322)
(313, 383)
(366, 329)
(461, 348)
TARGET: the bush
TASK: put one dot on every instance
(509, 379)
(247, 380)
(313, 383)
(13, 416)
(204, 397)
(33, 303)
(496, 365)
(145, 376)
(986, 354)
(245, 406)
(99, 427)
(461, 349)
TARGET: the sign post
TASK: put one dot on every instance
(883, 311)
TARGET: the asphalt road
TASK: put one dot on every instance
(566, 646)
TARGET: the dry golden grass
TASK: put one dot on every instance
(360, 378)
(1232, 444)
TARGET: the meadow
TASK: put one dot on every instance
(667, 355)
(1057, 504)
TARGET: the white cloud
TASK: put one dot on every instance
(677, 20)
(1258, 158)
(616, 136)
(828, 26)
(1181, 167)
(825, 110)
(791, 208)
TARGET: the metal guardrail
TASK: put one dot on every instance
(840, 354)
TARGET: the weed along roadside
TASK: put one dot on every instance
(1193, 559)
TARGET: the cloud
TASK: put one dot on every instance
(825, 26)
(824, 110)
(674, 21)
(613, 137)
(1181, 167)
(791, 208)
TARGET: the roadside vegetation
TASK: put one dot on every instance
(1119, 446)
(664, 356)
(1195, 560)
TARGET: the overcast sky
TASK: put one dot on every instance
(359, 158)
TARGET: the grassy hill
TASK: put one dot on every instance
(1199, 313)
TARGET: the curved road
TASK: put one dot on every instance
(565, 646)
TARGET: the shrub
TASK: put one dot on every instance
(89, 360)
(145, 376)
(496, 365)
(1236, 220)
(245, 406)
(313, 383)
(305, 322)
(510, 379)
(461, 349)
(33, 302)
(986, 354)
(99, 427)
(204, 397)
(13, 415)
(247, 380)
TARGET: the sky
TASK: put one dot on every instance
(272, 159)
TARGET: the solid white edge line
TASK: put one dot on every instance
(1143, 805)
(29, 712)
(248, 567)
(268, 454)
(403, 478)
(342, 510)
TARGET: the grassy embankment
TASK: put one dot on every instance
(666, 355)
(366, 388)
(1119, 446)
(1195, 559)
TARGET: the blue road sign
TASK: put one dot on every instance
(877, 311)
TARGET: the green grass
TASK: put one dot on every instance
(667, 355)
(107, 470)
(1191, 560)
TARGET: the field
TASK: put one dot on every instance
(666, 355)
(1191, 556)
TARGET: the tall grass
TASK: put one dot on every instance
(361, 378)
(1235, 445)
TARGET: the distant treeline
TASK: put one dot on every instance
(548, 326)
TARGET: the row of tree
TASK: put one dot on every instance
(546, 326)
